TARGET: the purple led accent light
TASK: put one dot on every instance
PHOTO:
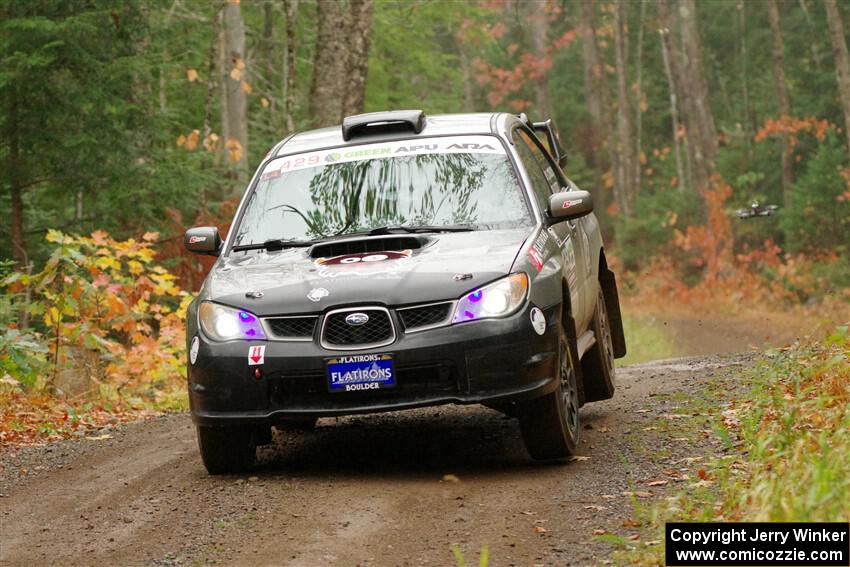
(247, 317)
(475, 296)
(469, 314)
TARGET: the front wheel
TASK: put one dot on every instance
(227, 449)
(550, 424)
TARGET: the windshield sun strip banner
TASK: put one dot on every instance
(383, 150)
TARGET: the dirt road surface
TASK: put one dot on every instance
(392, 489)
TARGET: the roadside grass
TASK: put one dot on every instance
(785, 448)
(483, 561)
(645, 339)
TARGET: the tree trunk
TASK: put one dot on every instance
(697, 83)
(842, 61)
(639, 98)
(625, 169)
(674, 110)
(269, 56)
(466, 71)
(19, 249)
(539, 20)
(327, 90)
(358, 56)
(813, 29)
(237, 103)
(224, 77)
(291, 8)
(597, 86)
(697, 168)
(781, 96)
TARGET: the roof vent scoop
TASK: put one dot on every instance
(382, 123)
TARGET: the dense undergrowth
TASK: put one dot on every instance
(95, 336)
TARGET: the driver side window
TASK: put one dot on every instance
(541, 185)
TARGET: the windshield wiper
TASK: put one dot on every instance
(277, 244)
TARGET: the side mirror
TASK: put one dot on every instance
(203, 240)
(569, 205)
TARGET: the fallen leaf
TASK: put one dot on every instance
(630, 523)
(100, 437)
(450, 478)
(608, 496)
(638, 493)
(604, 430)
(657, 483)
(540, 530)
(599, 531)
(642, 411)
(579, 458)
(595, 507)
(634, 537)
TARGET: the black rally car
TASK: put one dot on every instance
(402, 261)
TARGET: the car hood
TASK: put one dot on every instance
(291, 281)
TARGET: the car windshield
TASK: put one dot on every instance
(433, 182)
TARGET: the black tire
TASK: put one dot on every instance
(297, 424)
(598, 362)
(227, 450)
(550, 424)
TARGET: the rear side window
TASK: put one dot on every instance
(543, 179)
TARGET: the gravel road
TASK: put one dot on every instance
(391, 489)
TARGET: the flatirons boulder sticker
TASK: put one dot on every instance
(256, 355)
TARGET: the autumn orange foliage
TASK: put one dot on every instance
(764, 277)
(793, 126)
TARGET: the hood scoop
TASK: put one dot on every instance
(367, 245)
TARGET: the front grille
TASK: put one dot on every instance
(292, 328)
(377, 331)
(425, 316)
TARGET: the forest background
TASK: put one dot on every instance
(123, 123)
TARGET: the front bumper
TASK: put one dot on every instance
(489, 361)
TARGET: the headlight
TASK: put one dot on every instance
(222, 323)
(497, 299)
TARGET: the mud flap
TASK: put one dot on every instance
(612, 303)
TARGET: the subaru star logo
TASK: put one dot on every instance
(356, 319)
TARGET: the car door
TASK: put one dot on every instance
(545, 181)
